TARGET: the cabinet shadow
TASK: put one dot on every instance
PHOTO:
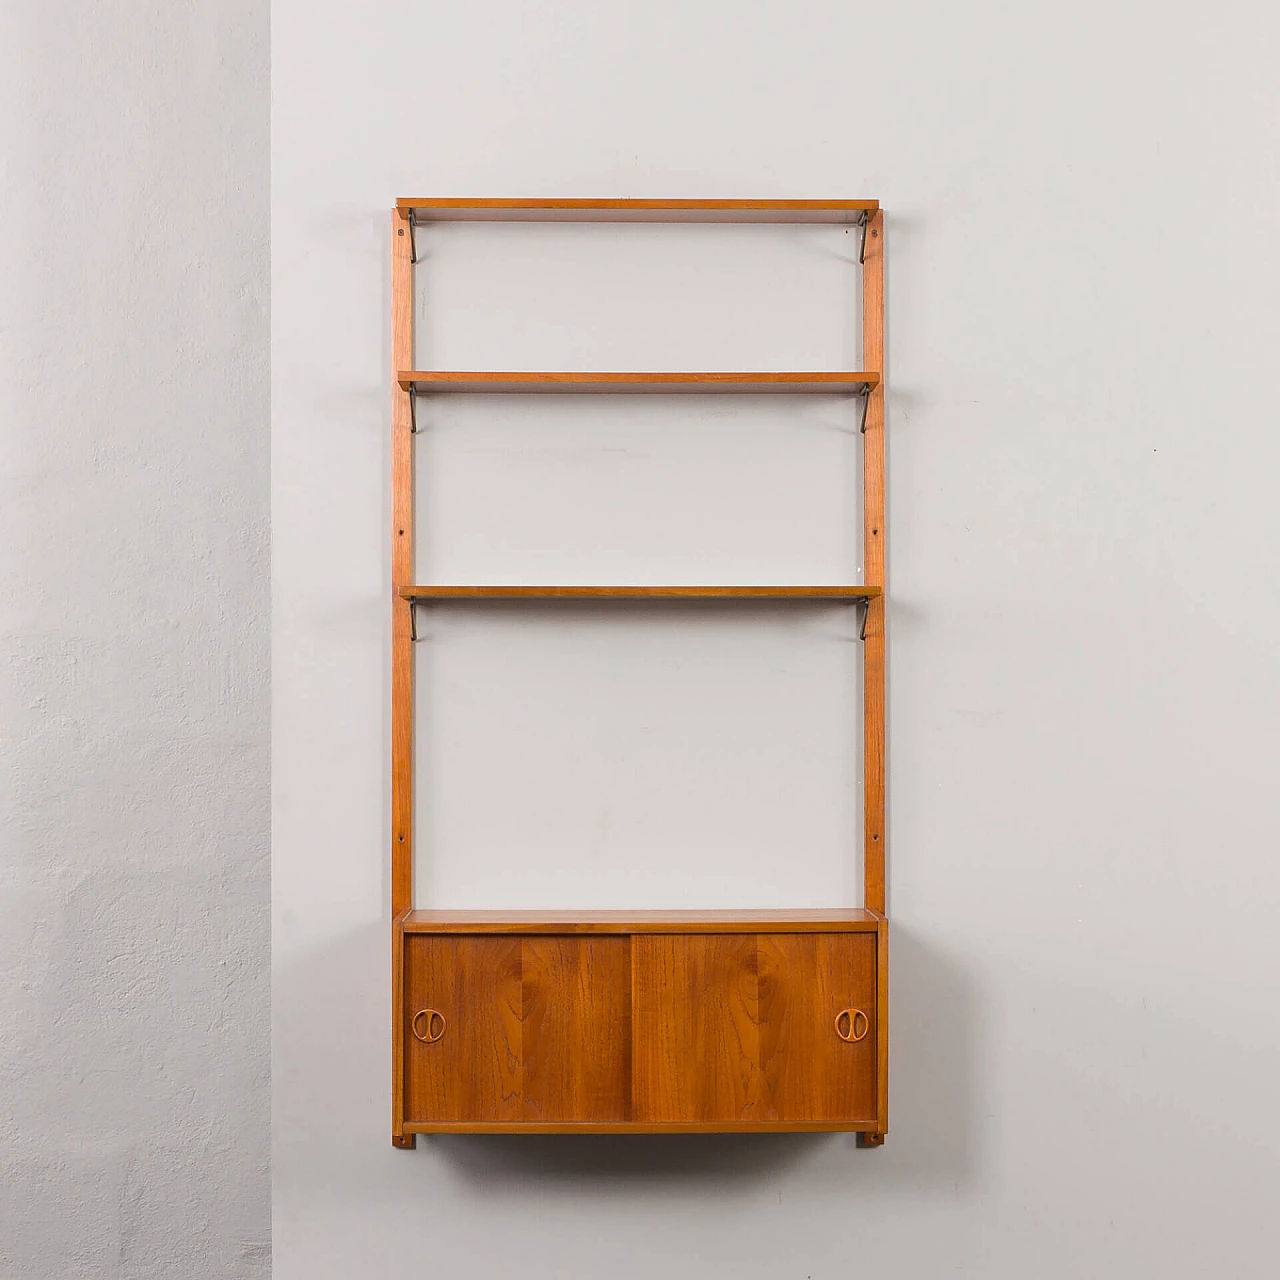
(932, 1110)
(332, 1101)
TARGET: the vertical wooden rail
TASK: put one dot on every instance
(873, 649)
(401, 649)
(873, 543)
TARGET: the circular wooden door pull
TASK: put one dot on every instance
(856, 1025)
(428, 1034)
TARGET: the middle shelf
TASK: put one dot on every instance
(842, 594)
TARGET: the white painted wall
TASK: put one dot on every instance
(133, 641)
(1084, 686)
(707, 755)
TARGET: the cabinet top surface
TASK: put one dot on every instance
(796, 920)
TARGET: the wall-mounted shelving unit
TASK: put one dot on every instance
(645, 1021)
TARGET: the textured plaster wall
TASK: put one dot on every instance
(134, 925)
(1084, 687)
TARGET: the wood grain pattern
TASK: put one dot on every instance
(401, 647)
(473, 1071)
(741, 1028)
(398, 1136)
(842, 212)
(639, 1022)
(642, 1127)
(401, 573)
(873, 505)
(882, 1031)
(801, 920)
(536, 1029)
(805, 980)
(844, 594)
(696, 1043)
(506, 383)
(576, 1035)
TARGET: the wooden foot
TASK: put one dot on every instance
(404, 1141)
(871, 1139)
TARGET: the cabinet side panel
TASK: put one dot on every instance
(472, 1071)
(576, 1029)
(882, 1027)
(695, 1045)
(806, 982)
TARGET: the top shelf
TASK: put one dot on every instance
(668, 383)
(838, 212)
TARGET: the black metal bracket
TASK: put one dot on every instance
(413, 238)
(866, 613)
(413, 411)
(866, 403)
(863, 222)
(413, 620)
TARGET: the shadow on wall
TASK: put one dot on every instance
(932, 1110)
(332, 1014)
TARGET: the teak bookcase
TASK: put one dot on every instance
(644, 1021)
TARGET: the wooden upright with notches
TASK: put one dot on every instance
(643, 1021)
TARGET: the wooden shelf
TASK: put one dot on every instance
(498, 383)
(801, 920)
(846, 595)
(839, 212)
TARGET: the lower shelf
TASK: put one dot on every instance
(705, 1024)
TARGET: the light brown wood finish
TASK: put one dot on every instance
(873, 651)
(742, 1028)
(639, 1127)
(873, 504)
(805, 981)
(576, 1028)
(535, 1029)
(841, 212)
(639, 1022)
(401, 635)
(473, 1071)
(401, 574)
(882, 1033)
(696, 1043)
(837, 594)
(797, 920)
(502, 383)
(398, 1136)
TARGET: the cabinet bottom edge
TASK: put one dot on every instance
(642, 1126)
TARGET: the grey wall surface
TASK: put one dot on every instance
(1084, 701)
(134, 595)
